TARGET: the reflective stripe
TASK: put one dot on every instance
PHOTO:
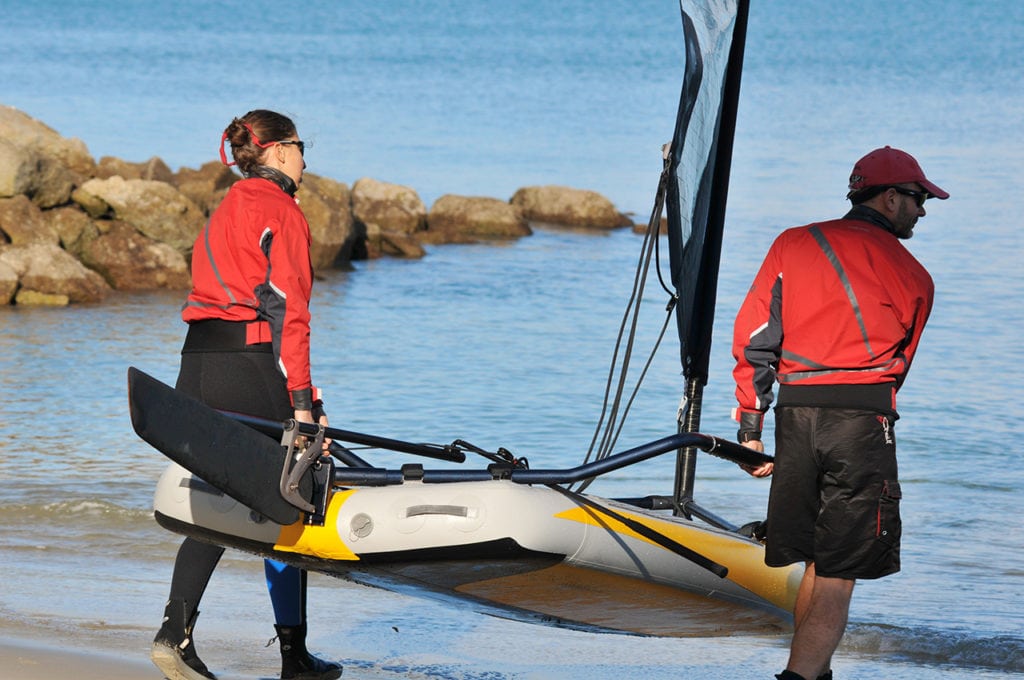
(821, 369)
(213, 263)
(826, 247)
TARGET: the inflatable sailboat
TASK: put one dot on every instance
(501, 537)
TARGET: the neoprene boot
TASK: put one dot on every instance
(173, 651)
(297, 663)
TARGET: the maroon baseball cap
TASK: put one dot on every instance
(887, 166)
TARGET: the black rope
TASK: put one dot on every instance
(610, 421)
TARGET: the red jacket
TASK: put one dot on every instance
(835, 303)
(251, 262)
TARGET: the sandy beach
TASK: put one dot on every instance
(28, 660)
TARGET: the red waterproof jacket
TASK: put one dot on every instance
(252, 262)
(836, 303)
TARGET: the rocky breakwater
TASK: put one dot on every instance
(73, 229)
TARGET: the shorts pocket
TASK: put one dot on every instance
(889, 527)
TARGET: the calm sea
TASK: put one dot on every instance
(509, 344)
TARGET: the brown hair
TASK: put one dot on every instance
(252, 133)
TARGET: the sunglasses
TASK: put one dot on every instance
(919, 196)
(299, 143)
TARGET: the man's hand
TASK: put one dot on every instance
(762, 470)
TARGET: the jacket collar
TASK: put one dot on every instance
(865, 214)
(286, 183)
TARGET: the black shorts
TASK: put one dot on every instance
(835, 492)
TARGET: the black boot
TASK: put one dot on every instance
(173, 651)
(299, 664)
(788, 675)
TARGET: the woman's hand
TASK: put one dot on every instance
(306, 416)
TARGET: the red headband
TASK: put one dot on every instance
(252, 135)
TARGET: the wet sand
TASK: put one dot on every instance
(28, 660)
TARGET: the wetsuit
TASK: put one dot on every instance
(247, 347)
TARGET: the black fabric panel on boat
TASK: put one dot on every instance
(498, 548)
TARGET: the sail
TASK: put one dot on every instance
(699, 160)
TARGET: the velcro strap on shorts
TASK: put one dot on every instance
(257, 332)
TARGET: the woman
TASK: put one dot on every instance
(247, 350)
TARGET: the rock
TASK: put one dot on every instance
(206, 186)
(156, 209)
(130, 261)
(17, 169)
(34, 298)
(46, 273)
(641, 227)
(569, 207)
(326, 205)
(24, 171)
(456, 217)
(73, 227)
(8, 283)
(23, 222)
(27, 132)
(392, 207)
(396, 244)
(153, 169)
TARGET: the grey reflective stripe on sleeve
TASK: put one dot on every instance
(826, 247)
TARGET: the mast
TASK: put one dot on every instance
(700, 157)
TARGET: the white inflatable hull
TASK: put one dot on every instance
(522, 550)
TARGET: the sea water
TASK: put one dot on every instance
(508, 344)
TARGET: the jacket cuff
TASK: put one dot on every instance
(751, 424)
(306, 399)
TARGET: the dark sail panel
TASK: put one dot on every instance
(700, 156)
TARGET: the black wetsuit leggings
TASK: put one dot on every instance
(245, 381)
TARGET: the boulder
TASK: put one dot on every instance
(156, 209)
(206, 186)
(8, 283)
(34, 298)
(22, 130)
(153, 169)
(73, 227)
(326, 205)
(392, 207)
(130, 261)
(25, 171)
(393, 243)
(570, 207)
(23, 222)
(454, 218)
(17, 169)
(47, 274)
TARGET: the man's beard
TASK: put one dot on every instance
(903, 224)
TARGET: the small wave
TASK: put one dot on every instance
(88, 509)
(946, 648)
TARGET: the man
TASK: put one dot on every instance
(834, 316)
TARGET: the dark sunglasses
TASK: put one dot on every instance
(299, 143)
(919, 196)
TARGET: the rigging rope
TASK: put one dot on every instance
(610, 421)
